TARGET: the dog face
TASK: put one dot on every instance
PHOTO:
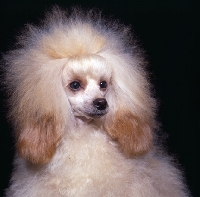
(86, 81)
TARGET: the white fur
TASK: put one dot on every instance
(90, 159)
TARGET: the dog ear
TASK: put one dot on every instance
(38, 142)
(133, 135)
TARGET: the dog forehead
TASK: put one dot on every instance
(90, 66)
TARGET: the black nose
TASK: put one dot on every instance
(100, 103)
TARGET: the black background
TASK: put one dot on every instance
(169, 32)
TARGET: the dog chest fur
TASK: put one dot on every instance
(88, 163)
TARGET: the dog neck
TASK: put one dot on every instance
(82, 120)
(85, 121)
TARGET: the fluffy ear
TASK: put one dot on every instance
(37, 143)
(39, 108)
(133, 135)
(131, 117)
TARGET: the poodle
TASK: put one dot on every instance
(83, 112)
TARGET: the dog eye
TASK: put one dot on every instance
(75, 85)
(103, 84)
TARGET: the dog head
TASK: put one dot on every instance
(73, 67)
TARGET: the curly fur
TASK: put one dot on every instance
(61, 154)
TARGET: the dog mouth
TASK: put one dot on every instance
(97, 113)
(91, 114)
